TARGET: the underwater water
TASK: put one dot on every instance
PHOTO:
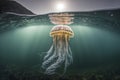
(95, 46)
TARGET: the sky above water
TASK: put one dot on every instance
(48, 6)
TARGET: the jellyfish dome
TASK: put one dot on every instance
(61, 30)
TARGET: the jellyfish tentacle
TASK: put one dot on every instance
(66, 54)
(48, 61)
(49, 53)
(70, 53)
(49, 58)
(61, 57)
(51, 69)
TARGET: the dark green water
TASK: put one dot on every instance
(95, 46)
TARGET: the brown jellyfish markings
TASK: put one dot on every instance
(60, 52)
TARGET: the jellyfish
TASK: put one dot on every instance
(60, 52)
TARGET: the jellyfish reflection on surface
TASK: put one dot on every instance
(59, 53)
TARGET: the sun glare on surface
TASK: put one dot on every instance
(60, 6)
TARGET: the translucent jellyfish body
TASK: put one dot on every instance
(60, 53)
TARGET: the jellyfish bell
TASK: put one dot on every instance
(61, 30)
